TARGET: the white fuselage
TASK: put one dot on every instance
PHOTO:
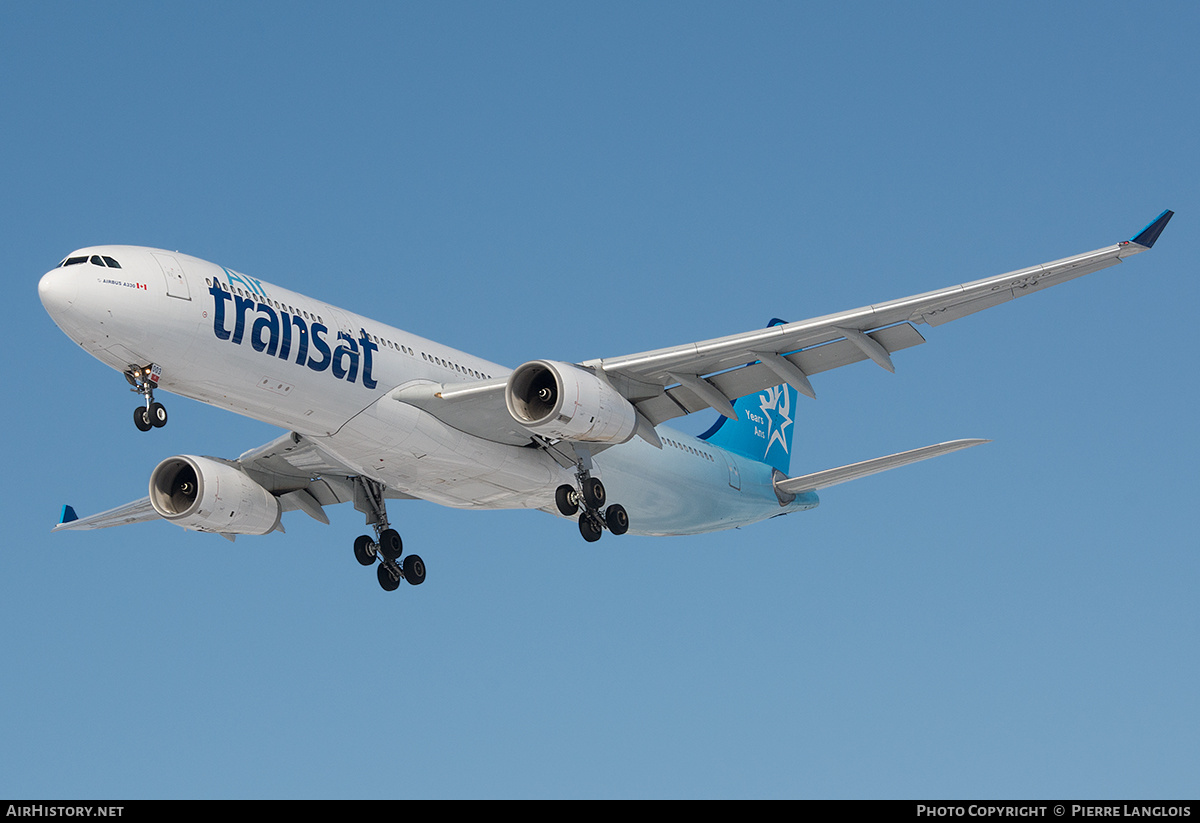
(286, 359)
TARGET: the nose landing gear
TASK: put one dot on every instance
(143, 379)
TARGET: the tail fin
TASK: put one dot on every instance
(764, 428)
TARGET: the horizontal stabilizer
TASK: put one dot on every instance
(842, 474)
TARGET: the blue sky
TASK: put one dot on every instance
(534, 180)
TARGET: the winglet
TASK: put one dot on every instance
(1148, 235)
(68, 515)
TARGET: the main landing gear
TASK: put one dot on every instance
(591, 497)
(387, 545)
(143, 379)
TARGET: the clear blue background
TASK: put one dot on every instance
(526, 180)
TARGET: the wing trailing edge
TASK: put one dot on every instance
(139, 511)
(726, 368)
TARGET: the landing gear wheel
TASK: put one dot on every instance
(389, 576)
(564, 498)
(365, 550)
(390, 544)
(414, 570)
(616, 519)
(157, 415)
(593, 493)
(141, 419)
(589, 527)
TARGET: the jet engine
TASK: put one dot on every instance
(560, 400)
(211, 496)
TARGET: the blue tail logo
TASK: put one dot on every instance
(764, 428)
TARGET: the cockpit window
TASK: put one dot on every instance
(96, 260)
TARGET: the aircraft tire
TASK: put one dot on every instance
(158, 415)
(365, 551)
(141, 419)
(386, 581)
(564, 499)
(589, 528)
(414, 569)
(593, 493)
(616, 518)
(390, 544)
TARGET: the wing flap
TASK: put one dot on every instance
(289, 462)
(293, 468)
(755, 377)
(666, 383)
(957, 301)
(837, 339)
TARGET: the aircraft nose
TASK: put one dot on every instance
(57, 290)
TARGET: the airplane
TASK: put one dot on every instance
(374, 413)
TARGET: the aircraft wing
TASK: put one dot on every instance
(671, 382)
(298, 472)
(139, 511)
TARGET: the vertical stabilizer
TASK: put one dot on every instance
(764, 428)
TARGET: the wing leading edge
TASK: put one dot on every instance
(666, 383)
(661, 383)
(844, 474)
(139, 511)
(302, 475)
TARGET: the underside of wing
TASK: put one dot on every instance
(307, 478)
(666, 383)
(139, 511)
(679, 380)
(476, 407)
(296, 471)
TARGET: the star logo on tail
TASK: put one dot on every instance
(776, 405)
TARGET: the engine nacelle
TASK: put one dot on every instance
(208, 495)
(559, 400)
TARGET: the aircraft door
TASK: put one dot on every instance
(735, 475)
(341, 321)
(176, 281)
